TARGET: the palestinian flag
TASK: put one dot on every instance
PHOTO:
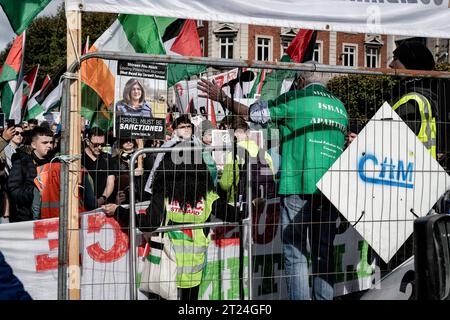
(181, 38)
(21, 13)
(135, 34)
(47, 98)
(258, 83)
(29, 80)
(31, 103)
(185, 234)
(11, 79)
(301, 49)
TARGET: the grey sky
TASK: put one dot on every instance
(7, 34)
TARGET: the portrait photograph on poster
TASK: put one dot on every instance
(140, 100)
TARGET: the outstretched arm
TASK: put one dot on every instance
(214, 92)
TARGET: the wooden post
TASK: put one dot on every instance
(73, 52)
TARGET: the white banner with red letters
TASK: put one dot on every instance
(31, 248)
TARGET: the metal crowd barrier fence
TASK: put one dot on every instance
(247, 221)
(67, 108)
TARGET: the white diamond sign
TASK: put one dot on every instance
(383, 181)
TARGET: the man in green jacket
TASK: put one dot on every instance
(312, 124)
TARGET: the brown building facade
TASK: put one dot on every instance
(240, 41)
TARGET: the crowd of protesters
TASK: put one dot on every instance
(23, 149)
(30, 165)
(30, 169)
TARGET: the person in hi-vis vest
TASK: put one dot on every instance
(415, 102)
(183, 193)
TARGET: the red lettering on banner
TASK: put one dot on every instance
(41, 230)
(270, 225)
(121, 243)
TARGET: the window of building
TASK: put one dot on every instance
(372, 57)
(202, 45)
(349, 55)
(284, 45)
(286, 37)
(263, 49)
(318, 53)
(226, 47)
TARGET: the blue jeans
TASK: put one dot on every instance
(308, 222)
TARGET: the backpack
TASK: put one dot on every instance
(262, 177)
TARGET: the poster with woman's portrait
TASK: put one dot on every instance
(140, 100)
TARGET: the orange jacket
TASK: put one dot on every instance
(48, 181)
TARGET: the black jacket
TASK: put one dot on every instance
(436, 91)
(21, 185)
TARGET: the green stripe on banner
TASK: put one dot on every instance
(154, 259)
(8, 74)
(138, 280)
(273, 81)
(163, 23)
(142, 33)
(178, 235)
(35, 111)
(254, 89)
(178, 72)
(7, 98)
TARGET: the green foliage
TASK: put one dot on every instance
(46, 40)
(362, 95)
(443, 66)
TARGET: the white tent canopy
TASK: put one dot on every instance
(424, 18)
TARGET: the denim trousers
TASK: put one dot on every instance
(308, 231)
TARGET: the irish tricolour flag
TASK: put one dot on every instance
(135, 34)
(10, 77)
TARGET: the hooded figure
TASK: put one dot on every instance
(414, 56)
(417, 99)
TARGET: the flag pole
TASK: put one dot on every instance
(74, 140)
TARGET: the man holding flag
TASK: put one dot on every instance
(313, 137)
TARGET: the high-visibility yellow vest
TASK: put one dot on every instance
(190, 245)
(427, 133)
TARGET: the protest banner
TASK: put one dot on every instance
(140, 100)
(31, 248)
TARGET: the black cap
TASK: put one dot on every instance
(414, 55)
(184, 118)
